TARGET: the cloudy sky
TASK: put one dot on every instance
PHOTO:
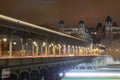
(49, 12)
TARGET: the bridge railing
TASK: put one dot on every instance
(10, 62)
(29, 61)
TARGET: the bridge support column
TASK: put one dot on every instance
(13, 77)
(35, 48)
(68, 49)
(24, 76)
(64, 49)
(46, 48)
(0, 47)
(73, 50)
(34, 75)
(59, 49)
(79, 50)
(10, 45)
(54, 46)
(41, 49)
(76, 50)
(23, 41)
(52, 74)
(49, 52)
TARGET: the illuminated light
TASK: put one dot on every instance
(21, 40)
(26, 44)
(61, 74)
(76, 47)
(92, 74)
(59, 45)
(44, 44)
(63, 45)
(35, 43)
(52, 44)
(29, 39)
(72, 46)
(49, 45)
(95, 33)
(55, 46)
(117, 50)
(14, 43)
(68, 46)
(71, 55)
(4, 39)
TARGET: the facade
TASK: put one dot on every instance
(104, 37)
(80, 31)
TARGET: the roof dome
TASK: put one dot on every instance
(81, 22)
(99, 25)
(114, 24)
(61, 22)
(108, 19)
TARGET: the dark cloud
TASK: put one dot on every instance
(49, 12)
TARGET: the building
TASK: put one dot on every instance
(104, 37)
(79, 31)
(107, 35)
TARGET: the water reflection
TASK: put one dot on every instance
(101, 67)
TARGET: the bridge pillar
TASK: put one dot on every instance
(53, 73)
(76, 51)
(64, 49)
(10, 45)
(41, 48)
(0, 47)
(59, 49)
(68, 49)
(35, 48)
(54, 51)
(13, 77)
(23, 42)
(43, 74)
(34, 75)
(45, 46)
(73, 50)
(24, 76)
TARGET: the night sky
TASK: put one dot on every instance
(49, 12)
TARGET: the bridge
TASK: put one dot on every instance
(32, 52)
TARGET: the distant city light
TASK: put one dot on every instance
(61, 74)
(92, 74)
